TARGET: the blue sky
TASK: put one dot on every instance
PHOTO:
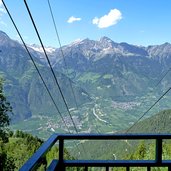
(140, 22)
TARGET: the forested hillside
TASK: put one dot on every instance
(159, 123)
(20, 147)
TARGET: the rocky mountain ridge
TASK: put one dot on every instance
(102, 73)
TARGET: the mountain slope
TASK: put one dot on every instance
(23, 86)
(159, 123)
(117, 69)
(110, 81)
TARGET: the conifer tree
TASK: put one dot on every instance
(5, 109)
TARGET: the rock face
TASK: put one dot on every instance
(117, 68)
(23, 86)
(103, 68)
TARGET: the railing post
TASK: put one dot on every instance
(127, 168)
(148, 168)
(158, 150)
(86, 168)
(61, 155)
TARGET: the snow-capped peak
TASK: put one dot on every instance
(75, 42)
(39, 48)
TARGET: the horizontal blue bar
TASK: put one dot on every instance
(113, 136)
(116, 163)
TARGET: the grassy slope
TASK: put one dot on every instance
(159, 123)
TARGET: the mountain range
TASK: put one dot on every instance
(116, 69)
(110, 80)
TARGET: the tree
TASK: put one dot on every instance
(141, 152)
(5, 109)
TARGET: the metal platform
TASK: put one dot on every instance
(61, 164)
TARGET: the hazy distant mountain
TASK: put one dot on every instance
(23, 85)
(116, 68)
(105, 69)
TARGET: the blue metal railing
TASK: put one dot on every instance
(61, 164)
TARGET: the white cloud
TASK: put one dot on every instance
(109, 19)
(2, 11)
(3, 23)
(95, 20)
(73, 19)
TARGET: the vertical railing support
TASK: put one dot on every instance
(61, 155)
(86, 168)
(127, 168)
(158, 150)
(148, 168)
